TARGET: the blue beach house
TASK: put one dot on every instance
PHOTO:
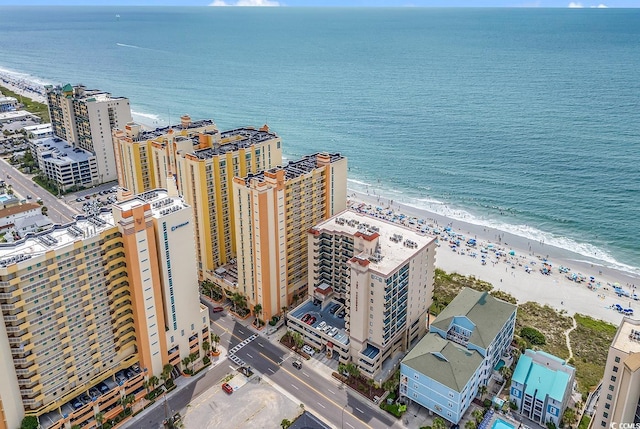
(465, 342)
(541, 386)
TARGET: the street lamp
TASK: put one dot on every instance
(342, 422)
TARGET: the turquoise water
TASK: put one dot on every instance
(501, 424)
(524, 119)
(4, 198)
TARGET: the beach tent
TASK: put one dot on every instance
(512, 253)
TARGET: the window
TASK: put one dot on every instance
(609, 397)
(605, 415)
(615, 369)
(617, 359)
(611, 387)
(607, 405)
(613, 378)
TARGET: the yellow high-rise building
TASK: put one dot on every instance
(274, 210)
(205, 179)
(89, 310)
(145, 158)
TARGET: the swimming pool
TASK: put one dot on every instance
(4, 198)
(501, 424)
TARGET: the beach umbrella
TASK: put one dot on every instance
(512, 252)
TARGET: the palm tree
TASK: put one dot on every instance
(470, 424)
(570, 417)
(284, 311)
(372, 383)
(298, 340)
(285, 423)
(342, 368)
(206, 346)
(352, 370)
(153, 382)
(506, 372)
(99, 419)
(257, 310)
(186, 361)
(238, 300)
(126, 401)
(215, 339)
(438, 423)
(482, 390)
(477, 415)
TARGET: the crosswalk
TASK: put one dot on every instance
(232, 353)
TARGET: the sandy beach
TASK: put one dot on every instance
(23, 87)
(515, 264)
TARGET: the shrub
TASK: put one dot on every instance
(206, 360)
(532, 335)
(487, 403)
(29, 422)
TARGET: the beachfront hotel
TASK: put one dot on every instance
(205, 178)
(619, 400)
(444, 370)
(274, 209)
(541, 386)
(145, 158)
(84, 118)
(93, 308)
(370, 284)
(203, 162)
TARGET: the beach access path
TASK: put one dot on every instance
(508, 273)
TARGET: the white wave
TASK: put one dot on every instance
(22, 77)
(124, 45)
(151, 116)
(521, 230)
(358, 182)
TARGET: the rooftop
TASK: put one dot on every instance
(626, 339)
(323, 314)
(80, 92)
(59, 151)
(240, 138)
(396, 243)
(161, 203)
(158, 132)
(444, 361)
(34, 244)
(540, 380)
(296, 168)
(486, 312)
(9, 211)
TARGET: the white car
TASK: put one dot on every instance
(333, 332)
(308, 350)
(327, 328)
(322, 325)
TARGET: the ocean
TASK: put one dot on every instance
(526, 120)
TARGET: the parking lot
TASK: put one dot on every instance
(325, 319)
(93, 201)
(253, 403)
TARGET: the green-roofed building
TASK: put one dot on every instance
(541, 386)
(445, 369)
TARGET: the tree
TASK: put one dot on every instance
(570, 417)
(153, 382)
(477, 415)
(284, 311)
(206, 346)
(481, 391)
(470, 424)
(29, 422)
(352, 370)
(186, 361)
(298, 340)
(506, 372)
(238, 301)
(257, 310)
(533, 336)
(285, 423)
(126, 401)
(371, 383)
(215, 339)
(166, 372)
(342, 368)
(99, 419)
(438, 423)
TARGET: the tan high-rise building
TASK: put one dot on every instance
(205, 178)
(274, 209)
(619, 400)
(85, 118)
(371, 285)
(91, 309)
(144, 159)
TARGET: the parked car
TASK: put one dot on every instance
(120, 377)
(342, 314)
(311, 321)
(306, 317)
(217, 309)
(227, 388)
(84, 398)
(308, 350)
(297, 364)
(103, 387)
(76, 404)
(334, 308)
(322, 325)
(78, 200)
(333, 331)
(94, 392)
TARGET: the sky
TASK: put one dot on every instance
(334, 3)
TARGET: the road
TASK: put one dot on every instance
(58, 212)
(342, 407)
